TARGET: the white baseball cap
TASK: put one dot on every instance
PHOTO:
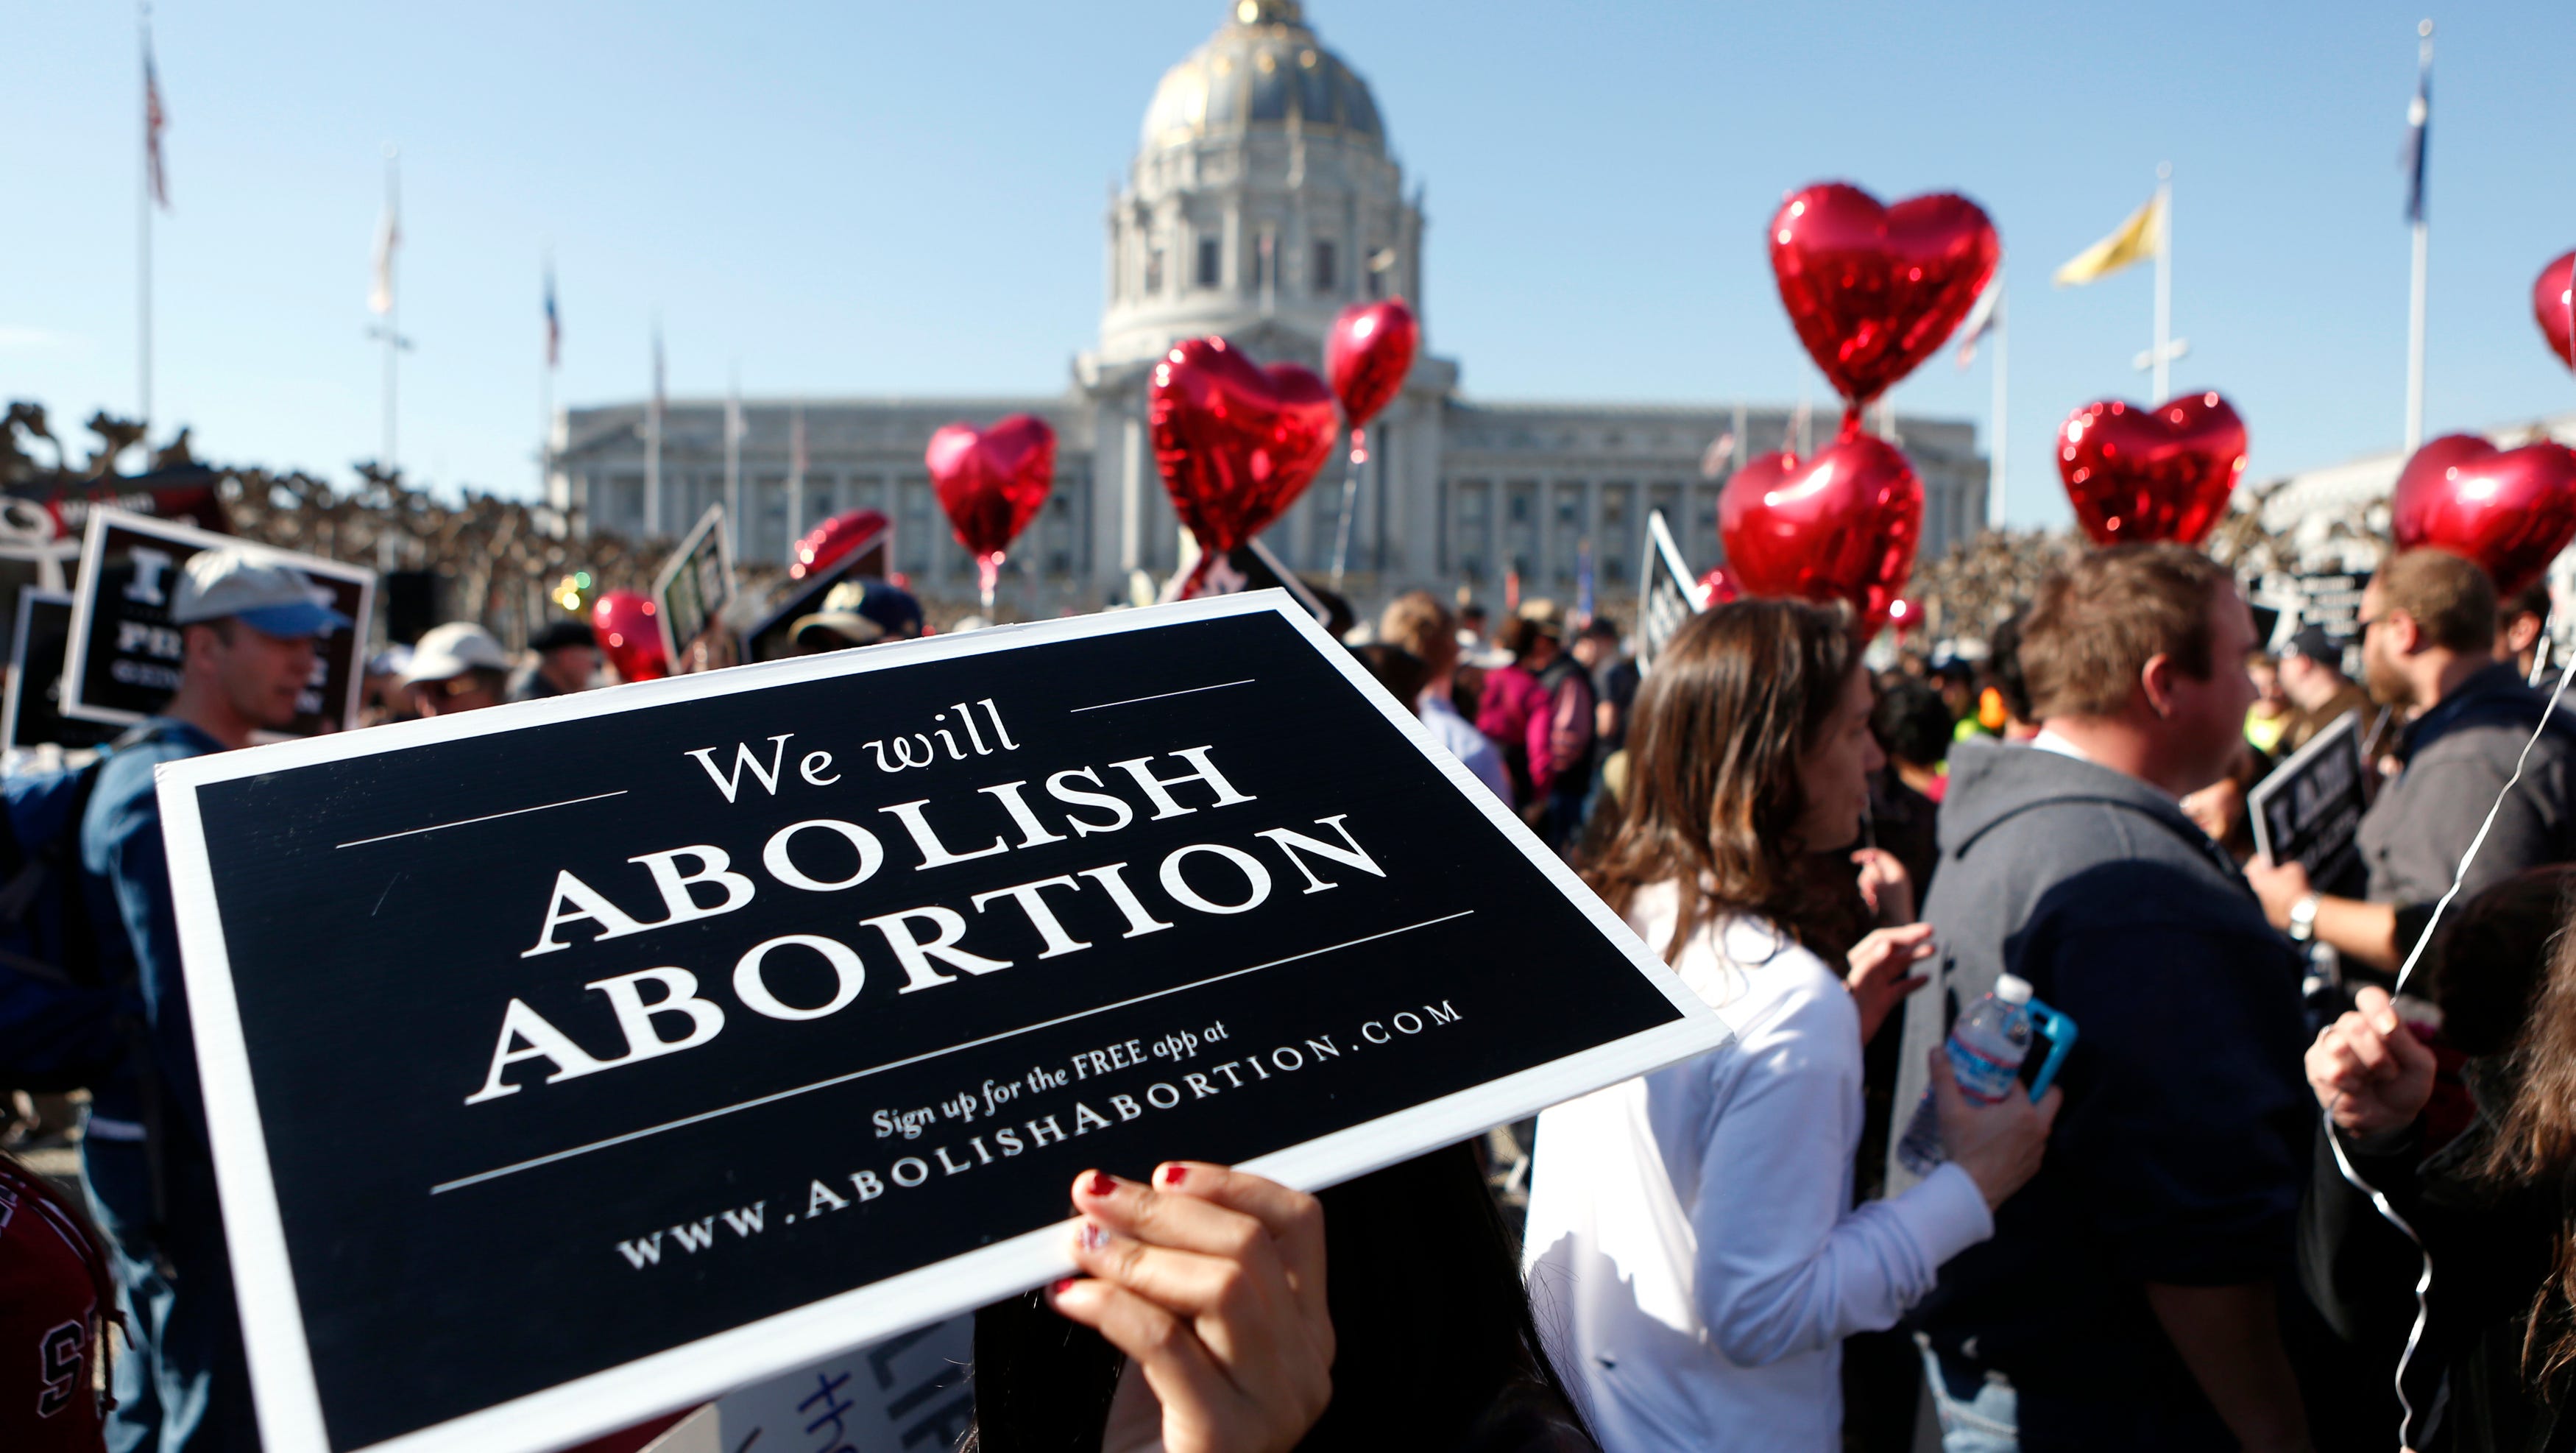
(271, 598)
(449, 651)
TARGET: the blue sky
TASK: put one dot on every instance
(873, 198)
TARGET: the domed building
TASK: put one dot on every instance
(1262, 200)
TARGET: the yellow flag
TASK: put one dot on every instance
(2139, 238)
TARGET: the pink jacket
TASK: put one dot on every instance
(1513, 714)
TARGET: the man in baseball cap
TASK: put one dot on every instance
(456, 667)
(248, 627)
(859, 612)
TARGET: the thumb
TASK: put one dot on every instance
(2046, 1108)
(1945, 1081)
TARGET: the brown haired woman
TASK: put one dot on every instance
(1691, 1233)
(2494, 1202)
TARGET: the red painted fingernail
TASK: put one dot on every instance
(1100, 1184)
(1173, 1175)
(1056, 1289)
(1093, 1237)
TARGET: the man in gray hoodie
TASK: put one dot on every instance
(2127, 1300)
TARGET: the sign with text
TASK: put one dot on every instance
(124, 657)
(690, 595)
(31, 713)
(1667, 593)
(744, 1017)
(2308, 811)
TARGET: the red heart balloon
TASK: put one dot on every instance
(628, 636)
(1872, 290)
(2550, 299)
(1367, 354)
(994, 482)
(825, 544)
(1840, 526)
(2510, 510)
(2138, 474)
(1236, 443)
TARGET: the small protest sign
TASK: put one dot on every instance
(690, 595)
(1667, 592)
(32, 712)
(2308, 811)
(124, 657)
(908, 1392)
(1251, 565)
(758, 1014)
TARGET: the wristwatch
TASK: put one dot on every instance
(2303, 918)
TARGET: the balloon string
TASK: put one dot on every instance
(988, 573)
(1350, 502)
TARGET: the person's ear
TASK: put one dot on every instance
(2405, 635)
(2156, 681)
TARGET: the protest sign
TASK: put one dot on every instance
(744, 1017)
(1251, 565)
(32, 712)
(908, 1392)
(2308, 811)
(1667, 592)
(124, 656)
(690, 595)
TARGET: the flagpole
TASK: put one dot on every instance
(2002, 445)
(653, 446)
(546, 396)
(143, 245)
(391, 331)
(795, 479)
(2415, 287)
(733, 456)
(2164, 283)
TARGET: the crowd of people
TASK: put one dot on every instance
(2185, 1243)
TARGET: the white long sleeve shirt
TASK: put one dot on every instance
(1694, 1256)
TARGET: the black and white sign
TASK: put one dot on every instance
(32, 712)
(1667, 593)
(125, 656)
(2309, 810)
(577, 1059)
(690, 595)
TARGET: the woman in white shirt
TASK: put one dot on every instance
(1693, 1251)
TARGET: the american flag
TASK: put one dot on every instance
(154, 121)
(2419, 134)
(554, 323)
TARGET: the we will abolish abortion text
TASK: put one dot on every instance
(904, 960)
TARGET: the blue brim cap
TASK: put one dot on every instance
(293, 622)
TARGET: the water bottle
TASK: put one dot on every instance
(1986, 1049)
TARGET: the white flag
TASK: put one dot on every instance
(1982, 319)
(380, 298)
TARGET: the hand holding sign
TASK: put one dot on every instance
(799, 989)
(1212, 1282)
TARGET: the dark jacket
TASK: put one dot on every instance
(2182, 1148)
(2492, 1250)
(2458, 757)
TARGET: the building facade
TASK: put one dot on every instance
(1262, 200)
